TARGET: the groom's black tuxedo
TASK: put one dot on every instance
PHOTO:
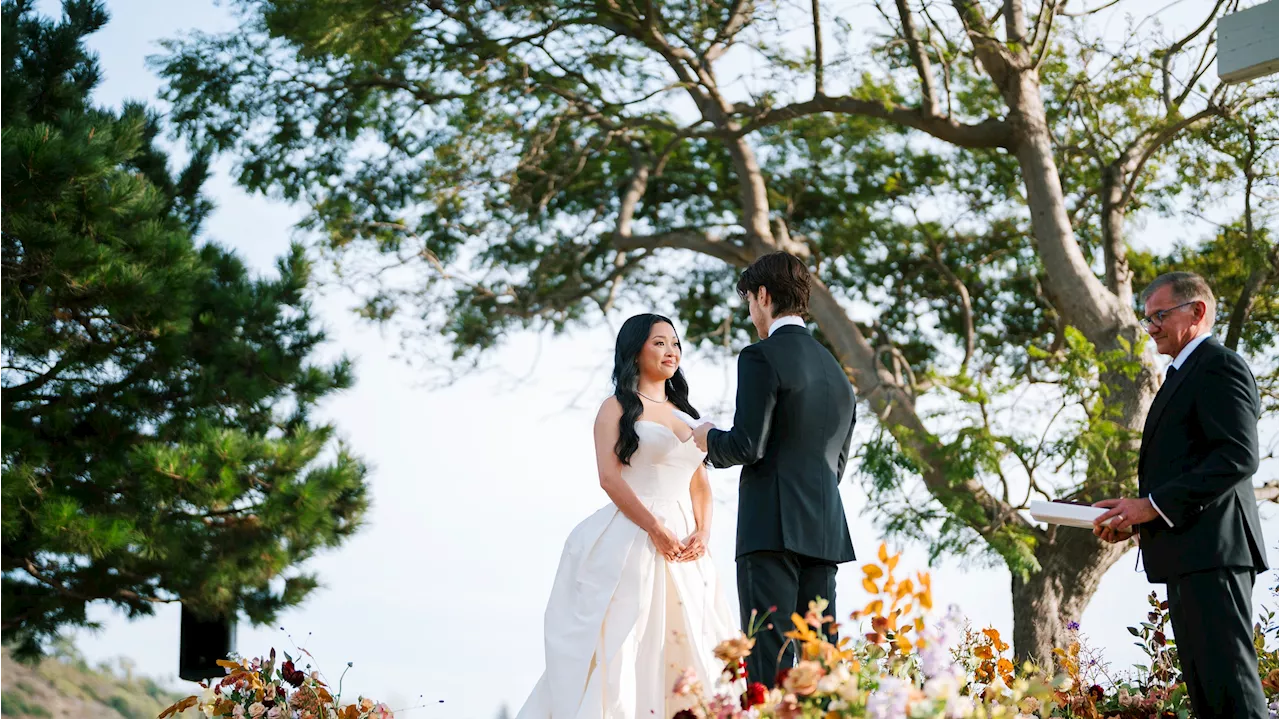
(791, 433)
(1199, 454)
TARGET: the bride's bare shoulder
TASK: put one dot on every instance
(610, 410)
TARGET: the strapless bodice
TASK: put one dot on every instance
(662, 465)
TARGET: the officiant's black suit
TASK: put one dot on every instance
(791, 433)
(1199, 454)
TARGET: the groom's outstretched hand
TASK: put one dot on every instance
(700, 435)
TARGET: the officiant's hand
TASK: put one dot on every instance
(700, 435)
(1125, 515)
(695, 545)
(665, 540)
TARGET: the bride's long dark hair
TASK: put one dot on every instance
(626, 376)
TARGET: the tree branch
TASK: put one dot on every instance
(1044, 33)
(1261, 275)
(966, 304)
(1162, 138)
(1174, 49)
(39, 575)
(817, 49)
(986, 134)
(739, 16)
(892, 402)
(919, 58)
(994, 55)
(1015, 22)
(1083, 13)
(723, 249)
(24, 390)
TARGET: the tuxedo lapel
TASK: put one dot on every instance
(1167, 390)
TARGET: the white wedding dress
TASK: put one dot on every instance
(622, 623)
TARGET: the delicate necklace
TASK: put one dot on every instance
(659, 401)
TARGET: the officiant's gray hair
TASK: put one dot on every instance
(1186, 287)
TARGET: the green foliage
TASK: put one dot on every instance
(15, 704)
(482, 154)
(157, 438)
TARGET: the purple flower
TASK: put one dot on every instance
(1073, 626)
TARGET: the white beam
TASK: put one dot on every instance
(1249, 43)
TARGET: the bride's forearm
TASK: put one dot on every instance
(700, 495)
(625, 499)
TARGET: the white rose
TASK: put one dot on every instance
(848, 691)
(829, 684)
(960, 707)
(941, 686)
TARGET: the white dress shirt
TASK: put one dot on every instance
(785, 320)
(1177, 365)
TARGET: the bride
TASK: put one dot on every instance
(636, 600)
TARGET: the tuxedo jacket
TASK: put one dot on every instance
(1199, 453)
(791, 433)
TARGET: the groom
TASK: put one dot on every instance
(791, 434)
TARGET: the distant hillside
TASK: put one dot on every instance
(64, 686)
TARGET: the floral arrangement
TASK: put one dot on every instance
(259, 689)
(911, 666)
(903, 667)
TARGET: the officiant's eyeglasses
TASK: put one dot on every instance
(1158, 318)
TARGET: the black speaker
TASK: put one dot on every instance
(203, 642)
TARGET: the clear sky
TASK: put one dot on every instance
(476, 486)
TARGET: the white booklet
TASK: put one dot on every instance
(1069, 515)
(689, 420)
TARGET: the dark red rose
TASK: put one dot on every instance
(782, 677)
(1097, 692)
(754, 695)
(292, 675)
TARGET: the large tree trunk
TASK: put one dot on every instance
(1072, 564)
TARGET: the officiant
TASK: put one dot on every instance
(1195, 515)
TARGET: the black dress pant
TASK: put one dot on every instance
(787, 581)
(1210, 612)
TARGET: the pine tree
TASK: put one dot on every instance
(156, 397)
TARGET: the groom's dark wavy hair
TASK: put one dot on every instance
(786, 278)
(626, 377)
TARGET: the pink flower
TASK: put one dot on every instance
(685, 683)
